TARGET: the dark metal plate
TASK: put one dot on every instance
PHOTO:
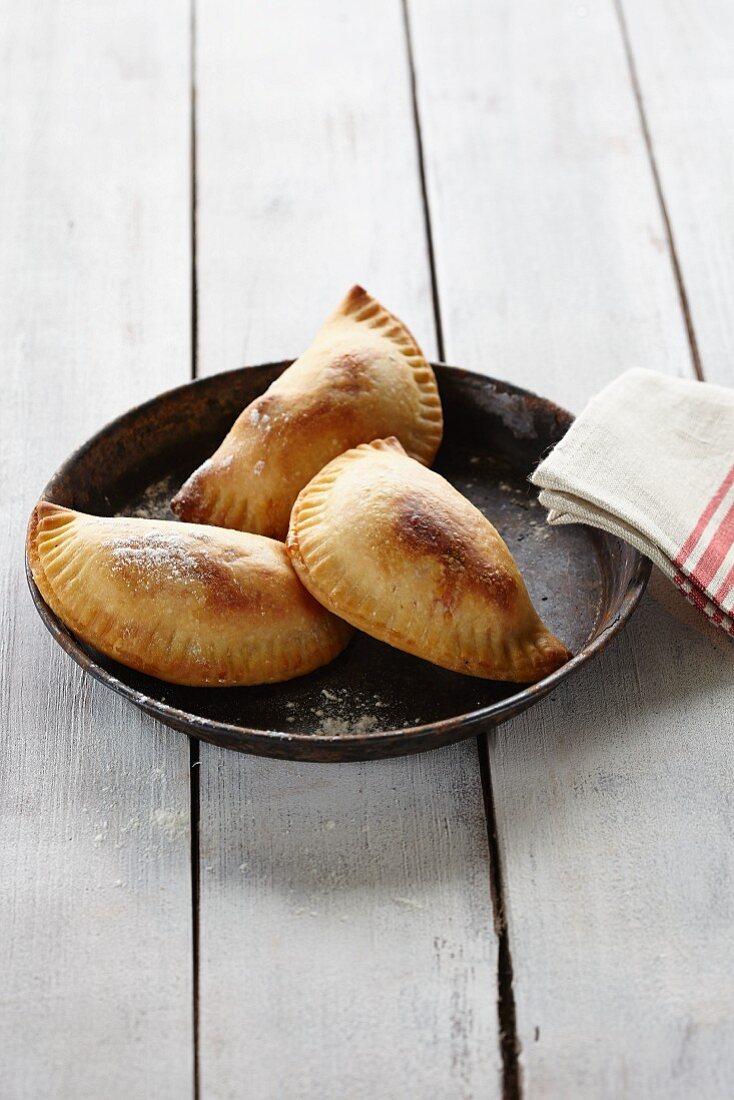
(372, 701)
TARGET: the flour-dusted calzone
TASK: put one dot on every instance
(396, 551)
(363, 378)
(192, 605)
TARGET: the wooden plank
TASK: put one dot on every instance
(682, 57)
(613, 796)
(298, 149)
(347, 946)
(537, 179)
(614, 808)
(346, 929)
(95, 952)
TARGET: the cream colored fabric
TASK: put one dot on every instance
(651, 460)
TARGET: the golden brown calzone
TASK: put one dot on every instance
(396, 551)
(192, 605)
(363, 377)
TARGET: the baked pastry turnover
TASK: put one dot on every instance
(192, 605)
(363, 378)
(396, 551)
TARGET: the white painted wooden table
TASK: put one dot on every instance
(544, 189)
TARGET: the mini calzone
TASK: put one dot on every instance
(396, 551)
(364, 377)
(192, 605)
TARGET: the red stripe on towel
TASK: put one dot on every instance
(713, 556)
(695, 596)
(692, 541)
(725, 587)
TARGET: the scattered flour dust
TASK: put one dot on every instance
(333, 726)
(172, 823)
(154, 502)
(146, 557)
(347, 713)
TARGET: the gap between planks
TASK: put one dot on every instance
(192, 140)
(194, 761)
(194, 825)
(647, 137)
(506, 1016)
(424, 191)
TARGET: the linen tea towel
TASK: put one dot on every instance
(651, 460)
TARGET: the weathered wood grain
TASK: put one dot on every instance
(682, 54)
(346, 929)
(307, 174)
(347, 946)
(95, 949)
(614, 803)
(613, 797)
(537, 179)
